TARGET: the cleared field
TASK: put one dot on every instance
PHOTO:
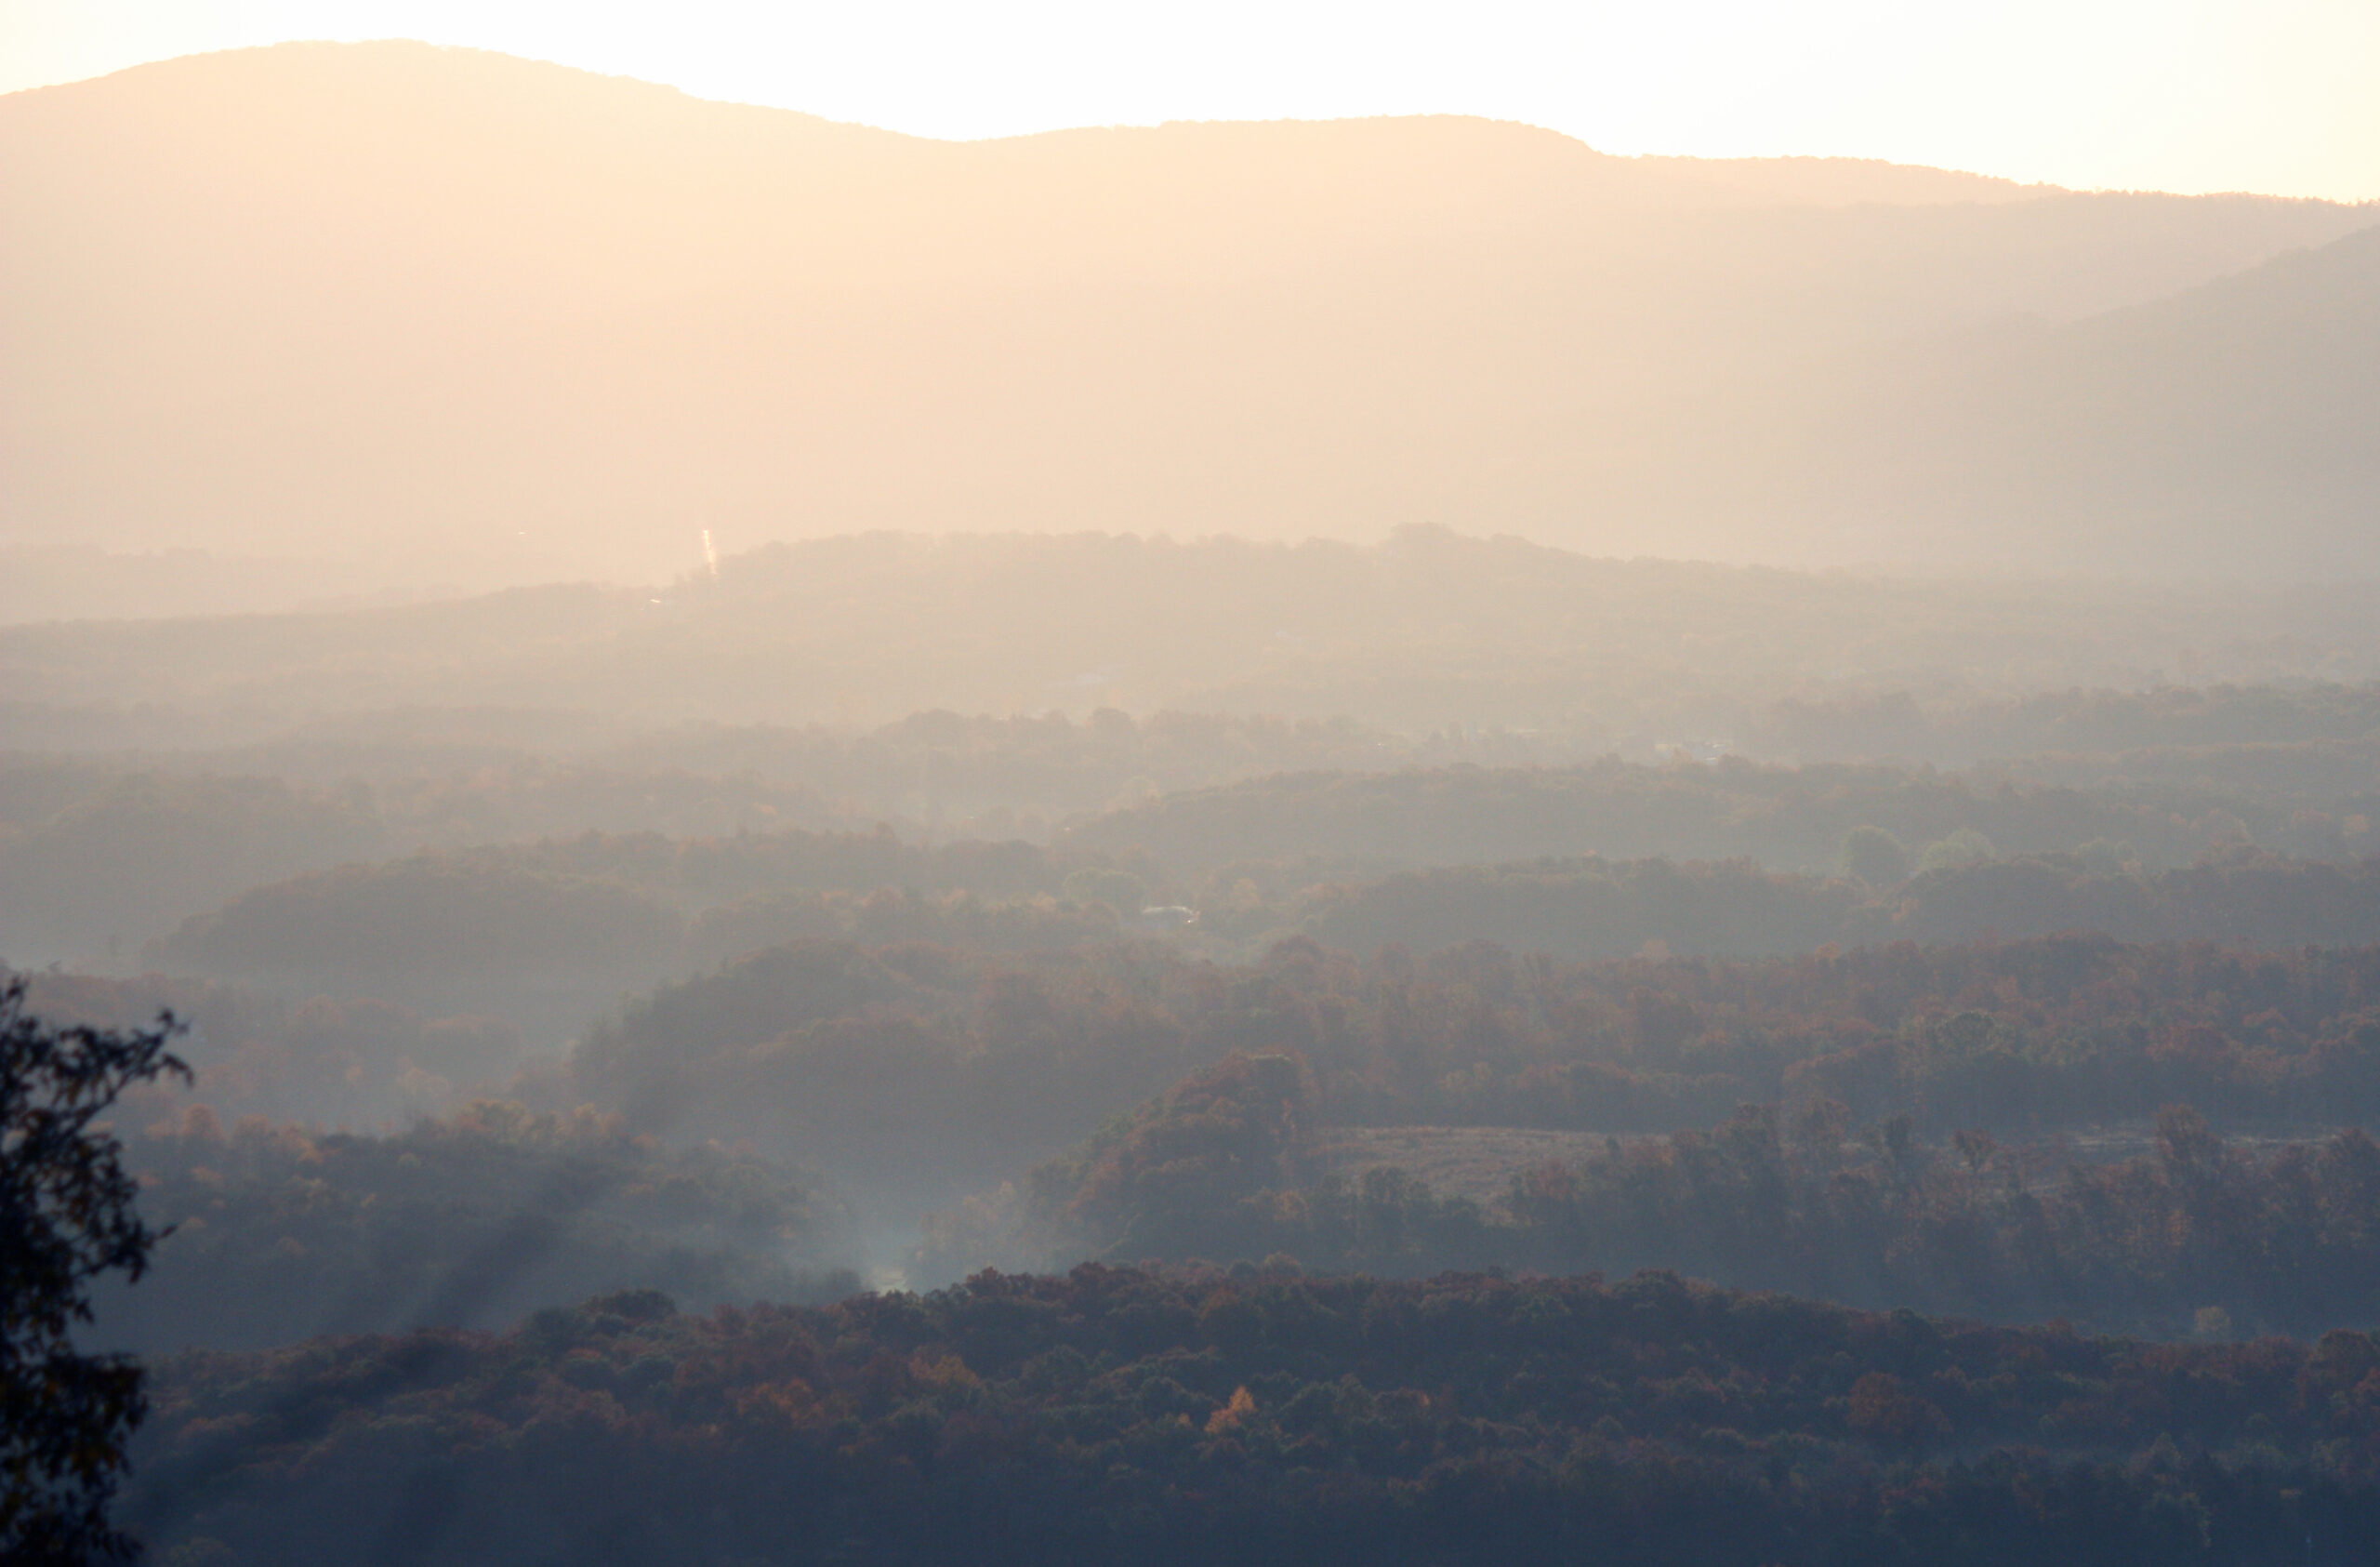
(1475, 1161)
(1480, 1162)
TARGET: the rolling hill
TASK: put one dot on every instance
(1427, 630)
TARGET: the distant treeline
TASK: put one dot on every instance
(553, 932)
(2125, 729)
(320, 1061)
(1597, 908)
(95, 864)
(1424, 632)
(280, 1234)
(2197, 1237)
(450, 778)
(96, 873)
(100, 858)
(1784, 817)
(930, 1067)
(2323, 777)
(560, 929)
(920, 1065)
(1000, 777)
(1119, 1415)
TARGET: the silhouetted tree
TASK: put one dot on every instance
(66, 1216)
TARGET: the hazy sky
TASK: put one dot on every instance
(2185, 95)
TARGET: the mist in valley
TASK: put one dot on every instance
(1077, 835)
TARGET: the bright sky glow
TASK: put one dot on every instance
(2276, 96)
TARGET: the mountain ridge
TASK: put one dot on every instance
(487, 320)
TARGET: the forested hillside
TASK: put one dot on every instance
(108, 854)
(929, 1070)
(106, 850)
(2193, 1236)
(1594, 908)
(1792, 819)
(735, 841)
(283, 1234)
(1133, 1416)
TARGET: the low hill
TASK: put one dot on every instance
(1119, 1415)
(281, 1233)
(1792, 819)
(1428, 629)
(1225, 1168)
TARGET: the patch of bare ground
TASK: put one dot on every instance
(1475, 1161)
(1480, 1162)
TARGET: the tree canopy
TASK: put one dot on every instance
(67, 1216)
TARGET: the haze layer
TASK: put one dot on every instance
(467, 316)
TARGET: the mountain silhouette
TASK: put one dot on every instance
(481, 320)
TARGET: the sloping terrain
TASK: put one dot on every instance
(480, 320)
(1425, 629)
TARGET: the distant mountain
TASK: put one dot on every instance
(473, 318)
(2233, 426)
